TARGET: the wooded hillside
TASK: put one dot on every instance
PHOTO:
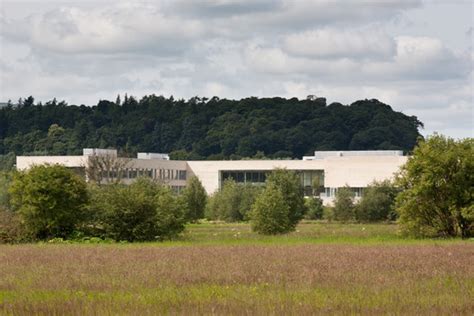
(202, 128)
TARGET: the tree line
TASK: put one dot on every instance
(431, 196)
(201, 128)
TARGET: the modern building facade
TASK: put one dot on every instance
(321, 174)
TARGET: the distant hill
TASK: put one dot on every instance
(202, 128)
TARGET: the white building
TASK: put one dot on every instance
(330, 169)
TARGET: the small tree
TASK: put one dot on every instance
(142, 211)
(437, 183)
(232, 202)
(195, 198)
(289, 185)
(50, 200)
(314, 208)
(344, 204)
(99, 168)
(270, 213)
(377, 203)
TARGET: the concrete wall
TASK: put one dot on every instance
(358, 172)
(354, 171)
(208, 171)
(25, 162)
(338, 171)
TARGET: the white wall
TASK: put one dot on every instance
(25, 162)
(354, 171)
(338, 171)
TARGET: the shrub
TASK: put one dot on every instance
(437, 183)
(5, 181)
(377, 203)
(233, 202)
(142, 211)
(195, 198)
(11, 228)
(50, 200)
(289, 185)
(328, 213)
(314, 208)
(270, 213)
(344, 205)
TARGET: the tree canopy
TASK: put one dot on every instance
(201, 128)
(50, 200)
(437, 183)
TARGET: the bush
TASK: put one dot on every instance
(270, 213)
(328, 213)
(289, 185)
(11, 228)
(233, 202)
(195, 198)
(50, 200)
(314, 208)
(344, 205)
(142, 211)
(5, 181)
(377, 203)
(437, 183)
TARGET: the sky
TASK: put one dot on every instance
(415, 55)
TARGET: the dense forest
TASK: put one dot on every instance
(202, 128)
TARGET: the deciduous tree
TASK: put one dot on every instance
(438, 188)
(50, 200)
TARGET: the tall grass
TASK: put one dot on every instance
(201, 277)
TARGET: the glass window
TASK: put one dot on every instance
(248, 177)
(254, 177)
(307, 178)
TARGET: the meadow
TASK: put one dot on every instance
(220, 269)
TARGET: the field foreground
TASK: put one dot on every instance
(431, 278)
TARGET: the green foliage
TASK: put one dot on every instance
(314, 208)
(344, 205)
(179, 155)
(142, 211)
(288, 183)
(50, 200)
(328, 213)
(201, 128)
(11, 228)
(377, 203)
(7, 162)
(438, 190)
(195, 198)
(233, 202)
(5, 181)
(270, 213)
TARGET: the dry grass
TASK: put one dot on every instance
(237, 279)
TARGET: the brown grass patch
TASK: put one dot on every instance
(299, 279)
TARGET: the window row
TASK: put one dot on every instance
(132, 173)
(331, 192)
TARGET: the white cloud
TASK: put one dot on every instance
(134, 28)
(343, 50)
(422, 58)
(334, 43)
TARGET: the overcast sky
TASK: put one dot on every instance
(414, 55)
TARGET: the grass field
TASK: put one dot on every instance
(225, 269)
